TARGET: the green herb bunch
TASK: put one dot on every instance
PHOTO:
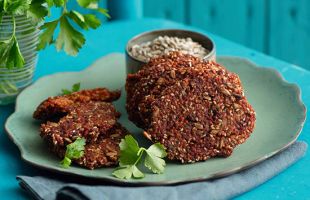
(131, 155)
(74, 150)
(68, 38)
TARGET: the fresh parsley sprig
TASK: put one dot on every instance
(69, 39)
(131, 155)
(10, 55)
(74, 150)
(75, 88)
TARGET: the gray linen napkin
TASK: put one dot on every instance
(222, 188)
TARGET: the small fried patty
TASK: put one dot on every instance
(85, 114)
(53, 108)
(94, 121)
(105, 151)
(87, 120)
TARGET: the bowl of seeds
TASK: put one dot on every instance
(145, 46)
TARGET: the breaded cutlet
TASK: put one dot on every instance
(196, 109)
(53, 108)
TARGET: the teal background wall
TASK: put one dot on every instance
(280, 28)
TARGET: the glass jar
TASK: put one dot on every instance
(13, 80)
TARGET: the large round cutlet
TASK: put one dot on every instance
(196, 112)
(159, 71)
(87, 120)
(200, 118)
(170, 78)
(53, 108)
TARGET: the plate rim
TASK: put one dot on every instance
(113, 180)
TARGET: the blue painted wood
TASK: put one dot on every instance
(280, 27)
(125, 9)
(167, 9)
(290, 31)
(294, 183)
(239, 20)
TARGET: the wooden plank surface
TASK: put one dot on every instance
(242, 21)
(280, 28)
(290, 31)
(167, 9)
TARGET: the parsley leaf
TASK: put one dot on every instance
(65, 91)
(131, 154)
(153, 159)
(104, 12)
(86, 3)
(75, 88)
(85, 21)
(128, 171)
(79, 19)
(5, 48)
(15, 57)
(37, 11)
(50, 3)
(66, 162)
(124, 172)
(136, 172)
(69, 38)
(92, 21)
(16, 7)
(10, 55)
(74, 150)
(46, 37)
(1, 15)
(129, 151)
(59, 3)
(158, 150)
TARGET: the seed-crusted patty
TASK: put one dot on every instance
(53, 108)
(85, 114)
(87, 120)
(197, 112)
(169, 78)
(94, 121)
(103, 152)
(159, 71)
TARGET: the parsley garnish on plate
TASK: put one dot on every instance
(131, 155)
(74, 150)
(75, 88)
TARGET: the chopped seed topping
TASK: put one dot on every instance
(165, 44)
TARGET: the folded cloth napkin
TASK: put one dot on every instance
(222, 188)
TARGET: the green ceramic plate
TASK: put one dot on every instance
(280, 117)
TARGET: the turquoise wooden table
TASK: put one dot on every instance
(294, 183)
